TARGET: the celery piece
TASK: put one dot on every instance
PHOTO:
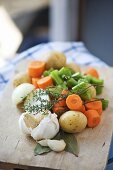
(65, 72)
(83, 89)
(98, 83)
(87, 78)
(71, 82)
(83, 80)
(47, 72)
(55, 76)
(77, 76)
(105, 104)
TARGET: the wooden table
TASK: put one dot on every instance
(16, 150)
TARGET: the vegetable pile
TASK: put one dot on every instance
(58, 101)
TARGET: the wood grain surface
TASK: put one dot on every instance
(17, 149)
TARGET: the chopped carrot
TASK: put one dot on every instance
(60, 106)
(74, 102)
(94, 105)
(82, 109)
(64, 92)
(59, 110)
(36, 68)
(93, 72)
(45, 82)
(34, 82)
(61, 103)
(93, 118)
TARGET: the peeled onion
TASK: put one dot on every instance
(21, 92)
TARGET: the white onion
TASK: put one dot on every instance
(21, 92)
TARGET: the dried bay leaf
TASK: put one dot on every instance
(41, 149)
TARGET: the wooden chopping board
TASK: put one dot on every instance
(17, 149)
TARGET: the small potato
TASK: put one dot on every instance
(74, 67)
(92, 91)
(73, 121)
(55, 60)
(21, 78)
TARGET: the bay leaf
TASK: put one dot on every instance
(41, 149)
(71, 143)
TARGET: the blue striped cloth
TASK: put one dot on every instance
(74, 51)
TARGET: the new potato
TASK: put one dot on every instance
(74, 67)
(73, 121)
(21, 78)
(55, 60)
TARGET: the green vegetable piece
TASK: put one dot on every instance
(55, 76)
(41, 149)
(105, 104)
(71, 82)
(47, 72)
(98, 83)
(88, 78)
(83, 80)
(55, 91)
(77, 76)
(65, 72)
(84, 90)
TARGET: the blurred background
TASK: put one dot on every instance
(40, 21)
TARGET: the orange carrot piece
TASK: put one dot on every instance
(82, 109)
(94, 105)
(64, 92)
(93, 72)
(60, 106)
(59, 110)
(34, 82)
(93, 118)
(45, 82)
(74, 102)
(61, 103)
(36, 68)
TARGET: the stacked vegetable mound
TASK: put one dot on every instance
(58, 101)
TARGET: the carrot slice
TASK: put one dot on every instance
(94, 105)
(93, 118)
(74, 102)
(34, 82)
(45, 82)
(36, 68)
(93, 72)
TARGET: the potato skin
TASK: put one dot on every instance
(21, 78)
(55, 60)
(93, 91)
(74, 67)
(73, 121)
